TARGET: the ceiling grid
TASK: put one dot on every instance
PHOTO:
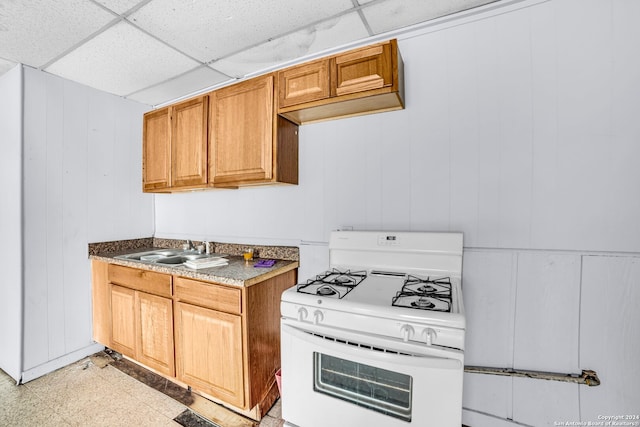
(155, 51)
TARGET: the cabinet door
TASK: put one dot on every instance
(304, 83)
(156, 150)
(101, 302)
(362, 70)
(154, 331)
(209, 352)
(241, 132)
(123, 320)
(189, 142)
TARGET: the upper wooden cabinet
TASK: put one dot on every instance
(363, 70)
(304, 83)
(357, 82)
(175, 146)
(189, 143)
(156, 150)
(248, 143)
(247, 133)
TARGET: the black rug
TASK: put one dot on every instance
(191, 419)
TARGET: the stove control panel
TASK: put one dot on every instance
(309, 317)
(388, 240)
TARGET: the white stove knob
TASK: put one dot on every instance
(407, 332)
(302, 314)
(317, 317)
(430, 335)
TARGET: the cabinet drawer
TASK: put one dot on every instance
(304, 83)
(208, 295)
(142, 280)
(362, 70)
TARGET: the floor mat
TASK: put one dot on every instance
(191, 419)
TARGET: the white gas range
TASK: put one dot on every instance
(379, 338)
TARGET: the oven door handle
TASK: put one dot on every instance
(427, 357)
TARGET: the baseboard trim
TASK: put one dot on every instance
(480, 419)
(60, 362)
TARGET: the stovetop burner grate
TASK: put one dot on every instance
(333, 283)
(424, 294)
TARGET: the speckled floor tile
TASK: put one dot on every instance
(98, 394)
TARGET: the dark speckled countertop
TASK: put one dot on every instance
(236, 273)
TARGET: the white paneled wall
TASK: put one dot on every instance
(517, 131)
(553, 312)
(521, 131)
(609, 334)
(547, 312)
(81, 184)
(11, 221)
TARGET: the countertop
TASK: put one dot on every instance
(236, 273)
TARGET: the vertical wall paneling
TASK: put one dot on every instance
(488, 394)
(463, 107)
(625, 127)
(396, 171)
(51, 143)
(547, 312)
(487, 36)
(311, 194)
(77, 112)
(76, 140)
(101, 152)
(428, 132)
(546, 336)
(610, 335)
(36, 295)
(316, 260)
(545, 57)
(489, 294)
(543, 403)
(515, 94)
(11, 221)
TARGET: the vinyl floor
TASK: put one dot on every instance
(93, 393)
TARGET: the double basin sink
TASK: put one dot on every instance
(166, 256)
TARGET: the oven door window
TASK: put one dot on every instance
(374, 388)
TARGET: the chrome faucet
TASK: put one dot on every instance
(191, 246)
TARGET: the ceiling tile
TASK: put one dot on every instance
(119, 6)
(122, 60)
(334, 32)
(194, 81)
(34, 32)
(208, 30)
(393, 14)
(6, 66)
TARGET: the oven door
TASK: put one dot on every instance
(332, 377)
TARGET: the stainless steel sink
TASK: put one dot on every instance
(166, 256)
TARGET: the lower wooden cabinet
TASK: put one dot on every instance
(142, 328)
(223, 341)
(123, 320)
(209, 352)
(154, 333)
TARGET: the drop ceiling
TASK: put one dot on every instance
(155, 51)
